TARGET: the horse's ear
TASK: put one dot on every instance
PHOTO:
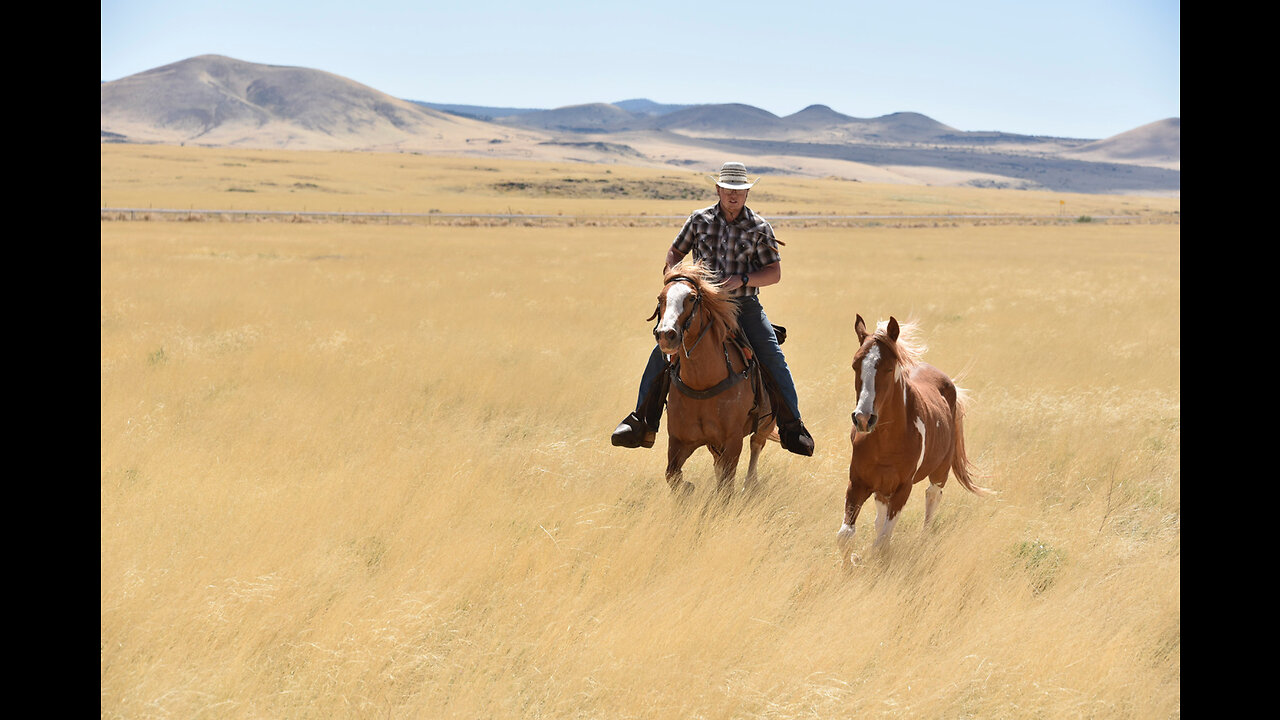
(893, 328)
(860, 327)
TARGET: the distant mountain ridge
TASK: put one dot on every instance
(477, 112)
(220, 101)
(718, 120)
(649, 107)
(216, 100)
(489, 112)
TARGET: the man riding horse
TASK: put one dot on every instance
(742, 250)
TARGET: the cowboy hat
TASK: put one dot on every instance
(733, 176)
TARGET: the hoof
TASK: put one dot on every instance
(849, 561)
(844, 538)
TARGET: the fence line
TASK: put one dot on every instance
(133, 214)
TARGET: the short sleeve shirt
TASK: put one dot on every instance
(729, 248)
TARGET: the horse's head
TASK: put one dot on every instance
(677, 307)
(690, 301)
(876, 368)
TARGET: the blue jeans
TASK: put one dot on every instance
(759, 332)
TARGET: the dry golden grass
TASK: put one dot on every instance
(363, 471)
(184, 178)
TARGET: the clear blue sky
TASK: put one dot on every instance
(1081, 68)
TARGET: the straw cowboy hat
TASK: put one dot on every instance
(733, 176)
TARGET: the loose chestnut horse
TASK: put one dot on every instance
(716, 398)
(908, 426)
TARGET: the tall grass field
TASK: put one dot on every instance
(363, 470)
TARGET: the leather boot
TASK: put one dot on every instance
(633, 432)
(795, 437)
(792, 433)
(640, 428)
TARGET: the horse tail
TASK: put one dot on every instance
(960, 464)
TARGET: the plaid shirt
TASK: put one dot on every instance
(730, 248)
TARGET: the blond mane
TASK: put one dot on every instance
(906, 352)
(910, 346)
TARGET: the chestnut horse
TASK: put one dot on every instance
(716, 397)
(909, 425)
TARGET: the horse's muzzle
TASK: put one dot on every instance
(667, 340)
(864, 423)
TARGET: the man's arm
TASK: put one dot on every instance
(768, 275)
(673, 256)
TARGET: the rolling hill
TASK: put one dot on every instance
(219, 101)
(1158, 144)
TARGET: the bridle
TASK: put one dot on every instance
(673, 369)
(697, 303)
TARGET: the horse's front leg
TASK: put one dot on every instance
(854, 497)
(727, 466)
(757, 445)
(677, 454)
(887, 510)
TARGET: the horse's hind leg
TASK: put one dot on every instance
(933, 496)
(677, 454)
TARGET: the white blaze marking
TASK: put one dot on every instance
(676, 295)
(867, 398)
